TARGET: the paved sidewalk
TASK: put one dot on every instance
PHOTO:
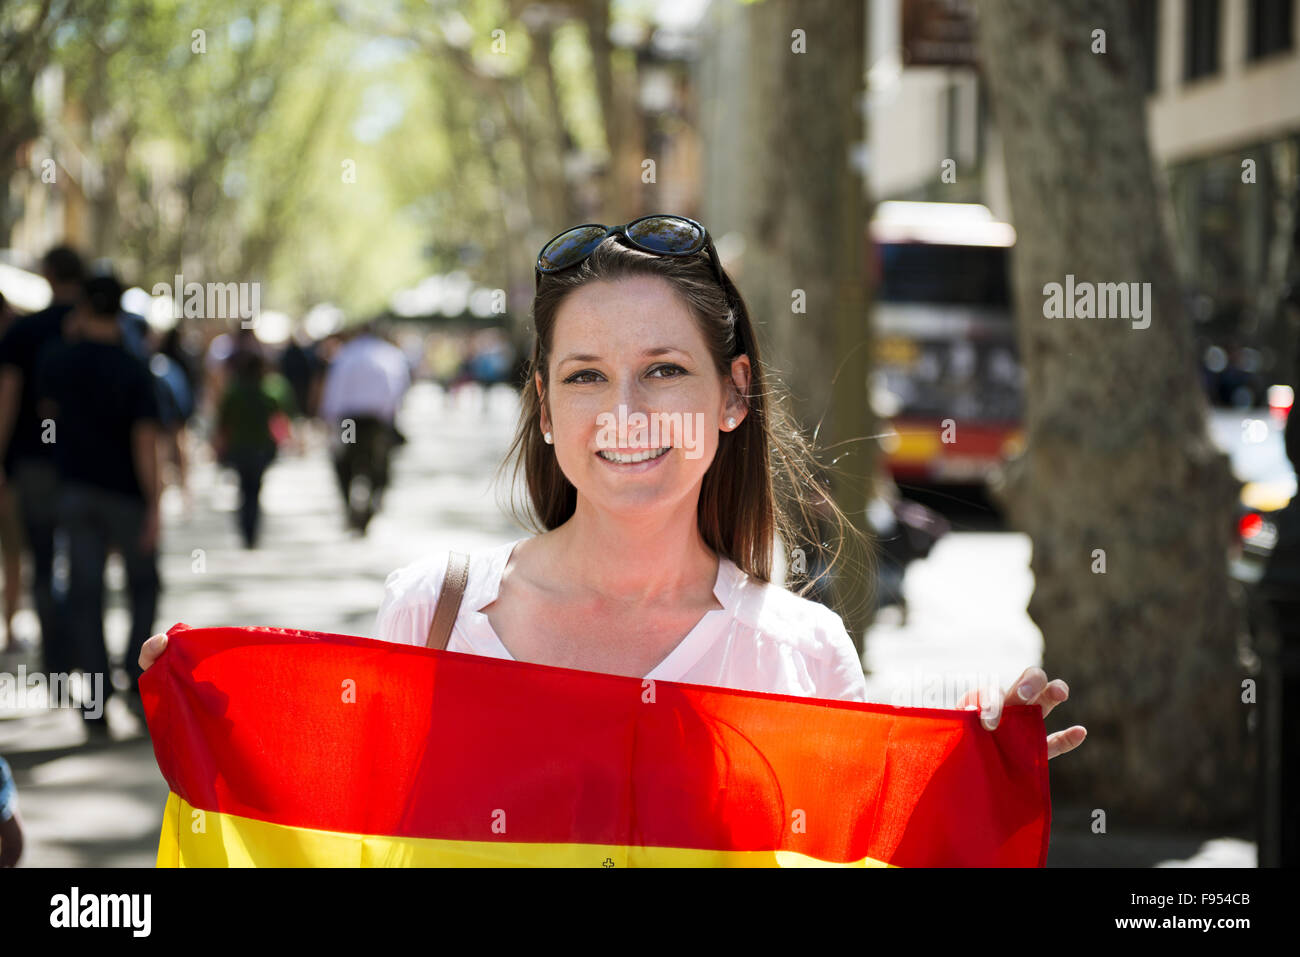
(946, 648)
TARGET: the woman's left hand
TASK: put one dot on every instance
(1031, 688)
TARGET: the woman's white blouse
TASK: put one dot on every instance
(764, 638)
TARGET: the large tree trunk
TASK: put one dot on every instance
(1118, 465)
(805, 230)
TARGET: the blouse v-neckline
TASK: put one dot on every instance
(676, 663)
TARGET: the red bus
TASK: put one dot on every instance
(947, 381)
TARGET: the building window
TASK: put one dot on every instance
(1270, 28)
(1201, 39)
(1146, 30)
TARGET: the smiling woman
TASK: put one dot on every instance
(661, 467)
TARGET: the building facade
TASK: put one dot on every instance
(1223, 105)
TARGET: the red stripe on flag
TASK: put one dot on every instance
(350, 734)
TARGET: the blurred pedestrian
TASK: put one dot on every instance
(11, 531)
(11, 825)
(215, 357)
(137, 334)
(252, 422)
(217, 361)
(443, 358)
(179, 403)
(458, 361)
(178, 344)
(1279, 587)
(301, 365)
(363, 390)
(104, 403)
(26, 442)
(491, 361)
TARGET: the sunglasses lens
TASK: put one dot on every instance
(667, 234)
(569, 248)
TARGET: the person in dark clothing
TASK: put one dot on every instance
(175, 347)
(26, 442)
(301, 365)
(179, 369)
(104, 404)
(1279, 587)
(135, 334)
(252, 419)
(11, 533)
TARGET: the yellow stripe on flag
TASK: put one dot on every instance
(195, 838)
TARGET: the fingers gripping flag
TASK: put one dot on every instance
(293, 748)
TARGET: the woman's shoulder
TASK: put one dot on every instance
(793, 627)
(808, 626)
(411, 592)
(419, 581)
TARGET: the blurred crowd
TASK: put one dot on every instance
(101, 411)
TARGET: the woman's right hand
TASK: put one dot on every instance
(152, 650)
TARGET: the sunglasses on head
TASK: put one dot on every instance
(663, 235)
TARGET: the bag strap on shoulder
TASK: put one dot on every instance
(453, 589)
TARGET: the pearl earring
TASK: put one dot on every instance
(731, 421)
(547, 437)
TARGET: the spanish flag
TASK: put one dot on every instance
(286, 748)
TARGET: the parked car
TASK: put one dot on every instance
(1253, 440)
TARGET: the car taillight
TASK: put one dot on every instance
(1280, 400)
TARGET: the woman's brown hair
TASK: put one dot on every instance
(764, 480)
